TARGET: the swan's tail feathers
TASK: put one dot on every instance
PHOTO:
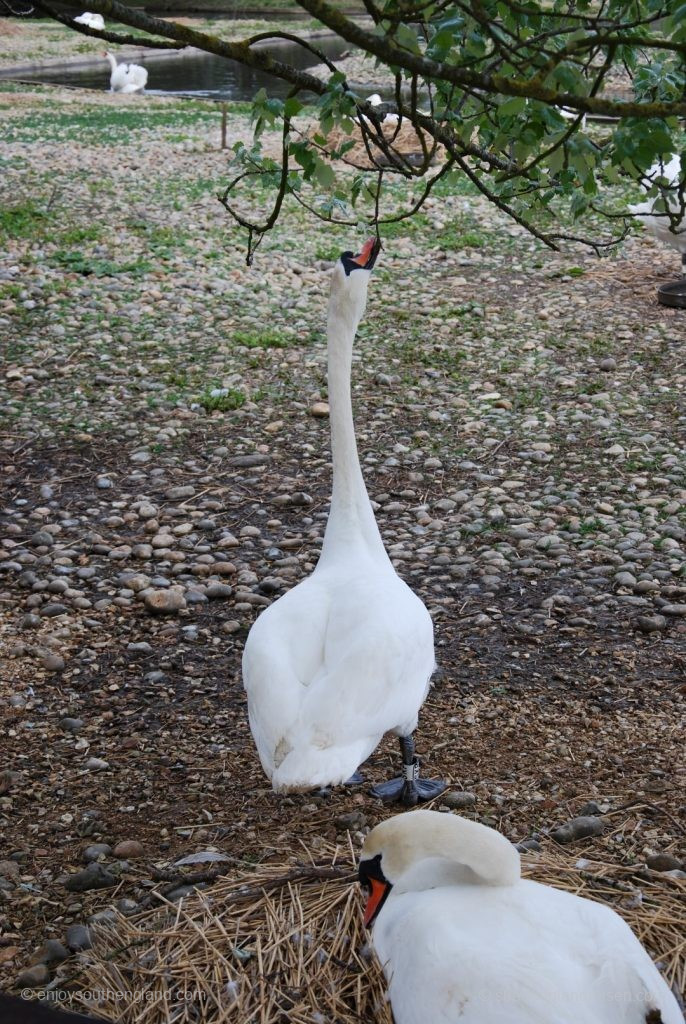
(313, 767)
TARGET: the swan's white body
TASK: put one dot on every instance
(659, 225)
(91, 20)
(126, 77)
(347, 654)
(464, 940)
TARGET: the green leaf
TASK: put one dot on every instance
(324, 174)
(511, 106)
(292, 107)
(406, 36)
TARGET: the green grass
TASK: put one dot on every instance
(233, 399)
(458, 234)
(107, 125)
(268, 338)
(77, 263)
(73, 236)
(590, 526)
(10, 291)
(22, 221)
(327, 252)
(31, 220)
(456, 239)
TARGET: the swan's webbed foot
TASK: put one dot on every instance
(409, 789)
(389, 791)
(408, 792)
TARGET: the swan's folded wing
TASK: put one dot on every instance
(282, 654)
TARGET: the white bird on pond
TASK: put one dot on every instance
(126, 77)
(463, 938)
(91, 20)
(656, 221)
(346, 655)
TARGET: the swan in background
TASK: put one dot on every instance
(375, 101)
(346, 655)
(462, 937)
(126, 77)
(659, 225)
(90, 20)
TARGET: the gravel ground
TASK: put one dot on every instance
(165, 475)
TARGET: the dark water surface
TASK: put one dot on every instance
(200, 74)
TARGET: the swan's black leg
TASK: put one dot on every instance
(356, 779)
(409, 789)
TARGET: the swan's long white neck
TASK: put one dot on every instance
(351, 528)
(112, 60)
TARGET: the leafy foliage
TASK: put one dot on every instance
(499, 92)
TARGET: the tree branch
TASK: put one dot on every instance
(382, 48)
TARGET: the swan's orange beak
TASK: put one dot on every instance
(367, 257)
(377, 896)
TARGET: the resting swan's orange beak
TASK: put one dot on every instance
(377, 895)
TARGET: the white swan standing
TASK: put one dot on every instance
(348, 653)
(126, 77)
(659, 225)
(91, 20)
(464, 940)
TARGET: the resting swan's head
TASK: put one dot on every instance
(473, 853)
(349, 284)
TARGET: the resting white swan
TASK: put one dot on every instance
(126, 77)
(657, 224)
(375, 101)
(464, 940)
(91, 20)
(347, 654)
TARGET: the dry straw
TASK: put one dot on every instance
(279, 945)
(404, 141)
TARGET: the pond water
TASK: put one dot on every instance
(200, 74)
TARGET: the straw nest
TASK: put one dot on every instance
(277, 945)
(404, 141)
